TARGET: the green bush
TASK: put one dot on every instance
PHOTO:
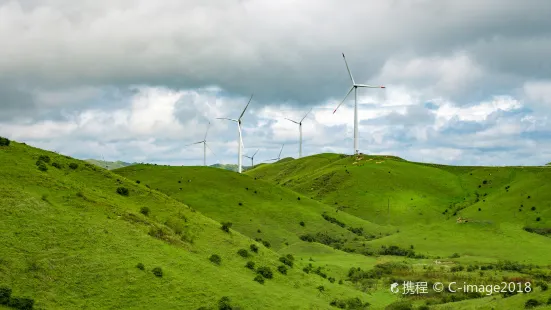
(138, 181)
(226, 226)
(250, 265)
(56, 165)
(302, 223)
(41, 166)
(549, 301)
(265, 271)
(5, 294)
(286, 261)
(254, 248)
(266, 243)
(73, 166)
(123, 191)
(21, 303)
(282, 269)
(4, 141)
(44, 158)
(259, 279)
(215, 258)
(224, 303)
(140, 266)
(158, 272)
(243, 253)
(145, 211)
(531, 303)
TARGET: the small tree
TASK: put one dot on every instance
(302, 223)
(250, 265)
(4, 141)
(282, 269)
(265, 271)
(158, 272)
(259, 279)
(254, 248)
(531, 303)
(5, 294)
(140, 266)
(145, 211)
(226, 226)
(73, 166)
(44, 158)
(123, 191)
(243, 253)
(216, 259)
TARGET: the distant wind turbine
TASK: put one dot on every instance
(300, 132)
(205, 145)
(240, 141)
(278, 156)
(355, 88)
(252, 158)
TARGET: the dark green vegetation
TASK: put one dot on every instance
(323, 232)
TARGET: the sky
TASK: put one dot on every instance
(467, 82)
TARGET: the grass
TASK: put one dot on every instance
(69, 240)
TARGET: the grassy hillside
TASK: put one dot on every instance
(69, 241)
(109, 165)
(255, 208)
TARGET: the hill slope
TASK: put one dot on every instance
(109, 165)
(69, 241)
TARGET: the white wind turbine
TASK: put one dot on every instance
(355, 88)
(300, 131)
(252, 158)
(204, 141)
(240, 141)
(278, 156)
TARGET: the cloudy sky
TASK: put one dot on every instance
(468, 82)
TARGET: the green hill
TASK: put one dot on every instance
(69, 241)
(109, 165)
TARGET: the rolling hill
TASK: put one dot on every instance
(109, 165)
(76, 236)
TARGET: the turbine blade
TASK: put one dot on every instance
(194, 143)
(306, 115)
(229, 119)
(279, 156)
(212, 151)
(348, 93)
(291, 120)
(369, 86)
(206, 132)
(255, 153)
(349, 73)
(240, 116)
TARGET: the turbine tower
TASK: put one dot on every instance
(252, 158)
(240, 141)
(204, 141)
(300, 132)
(278, 156)
(355, 88)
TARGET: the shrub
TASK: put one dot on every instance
(4, 141)
(485, 182)
(138, 181)
(158, 272)
(5, 294)
(282, 269)
(73, 166)
(266, 243)
(298, 198)
(423, 307)
(538, 219)
(531, 303)
(479, 209)
(331, 279)
(243, 253)
(215, 258)
(224, 303)
(455, 255)
(44, 158)
(21, 303)
(140, 266)
(123, 191)
(254, 248)
(240, 203)
(41, 166)
(259, 279)
(302, 224)
(549, 301)
(145, 211)
(226, 226)
(250, 265)
(285, 260)
(533, 208)
(266, 272)
(56, 165)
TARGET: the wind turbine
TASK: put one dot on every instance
(252, 158)
(204, 141)
(278, 156)
(240, 141)
(300, 131)
(355, 88)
